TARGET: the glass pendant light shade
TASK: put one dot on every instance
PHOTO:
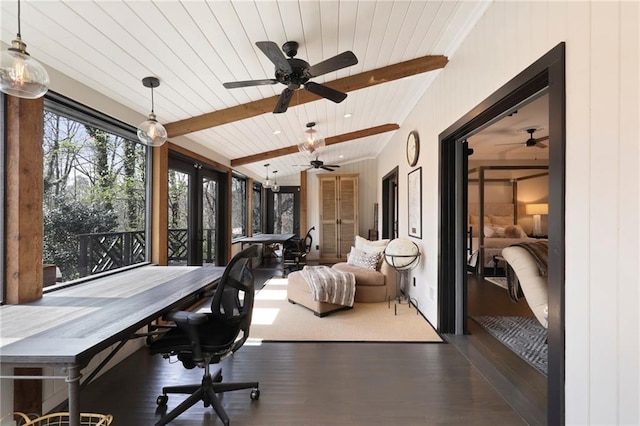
(267, 183)
(152, 133)
(311, 142)
(21, 75)
(275, 187)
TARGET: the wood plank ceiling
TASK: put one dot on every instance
(195, 46)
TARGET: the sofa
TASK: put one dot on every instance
(374, 282)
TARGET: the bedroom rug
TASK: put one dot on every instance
(275, 319)
(523, 335)
(499, 281)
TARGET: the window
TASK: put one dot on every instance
(95, 194)
(257, 209)
(238, 207)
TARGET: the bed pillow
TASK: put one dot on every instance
(501, 220)
(514, 231)
(493, 231)
(363, 260)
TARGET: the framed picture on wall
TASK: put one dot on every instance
(415, 203)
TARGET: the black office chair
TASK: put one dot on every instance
(201, 339)
(295, 251)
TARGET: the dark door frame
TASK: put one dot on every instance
(295, 190)
(546, 74)
(196, 173)
(390, 204)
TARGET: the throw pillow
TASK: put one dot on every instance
(363, 260)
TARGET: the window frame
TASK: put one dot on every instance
(3, 177)
(243, 180)
(73, 110)
(259, 193)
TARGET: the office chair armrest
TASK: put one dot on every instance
(186, 317)
(189, 322)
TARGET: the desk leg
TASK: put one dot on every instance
(73, 383)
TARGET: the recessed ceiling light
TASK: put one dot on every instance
(341, 156)
(276, 132)
(347, 115)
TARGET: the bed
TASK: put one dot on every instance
(499, 230)
(498, 195)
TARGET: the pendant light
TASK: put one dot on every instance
(21, 75)
(311, 142)
(152, 133)
(267, 183)
(275, 187)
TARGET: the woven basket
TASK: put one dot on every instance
(62, 419)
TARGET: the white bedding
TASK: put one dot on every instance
(493, 247)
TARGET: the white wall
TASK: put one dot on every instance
(602, 187)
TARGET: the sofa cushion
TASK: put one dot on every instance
(363, 260)
(363, 276)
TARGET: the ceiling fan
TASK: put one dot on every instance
(531, 141)
(319, 164)
(295, 72)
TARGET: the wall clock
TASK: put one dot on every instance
(413, 148)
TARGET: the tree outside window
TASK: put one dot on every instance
(94, 197)
(257, 209)
(238, 207)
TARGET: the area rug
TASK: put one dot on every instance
(275, 319)
(499, 281)
(523, 335)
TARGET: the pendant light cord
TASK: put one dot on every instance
(152, 112)
(19, 32)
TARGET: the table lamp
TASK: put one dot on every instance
(536, 210)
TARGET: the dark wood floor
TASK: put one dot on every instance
(456, 383)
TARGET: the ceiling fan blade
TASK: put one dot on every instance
(331, 165)
(343, 60)
(544, 138)
(248, 83)
(275, 55)
(327, 168)
(325, 92)
(512, 143)
(541, 145)
(283, 101)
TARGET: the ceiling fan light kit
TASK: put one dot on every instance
(152, 133)
(21, 75)
(295, 73)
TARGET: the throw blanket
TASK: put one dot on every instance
(540, 252)
(330, 285)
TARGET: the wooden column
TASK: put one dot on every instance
(24, 221)
(159, 205)
(23, 204)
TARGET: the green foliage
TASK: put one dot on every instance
(64, 220)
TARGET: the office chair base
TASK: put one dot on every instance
(205, 392)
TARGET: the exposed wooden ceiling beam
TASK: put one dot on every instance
(346, 84)
(331, 140)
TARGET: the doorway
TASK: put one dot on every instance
(195, 219)
(390, 205)
(546, 74)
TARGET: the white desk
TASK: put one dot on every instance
(68, 327)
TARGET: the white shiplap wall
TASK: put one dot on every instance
(602, 187)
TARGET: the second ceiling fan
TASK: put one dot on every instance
(295, 73)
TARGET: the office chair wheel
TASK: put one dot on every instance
(255, 394)
(162, 400)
